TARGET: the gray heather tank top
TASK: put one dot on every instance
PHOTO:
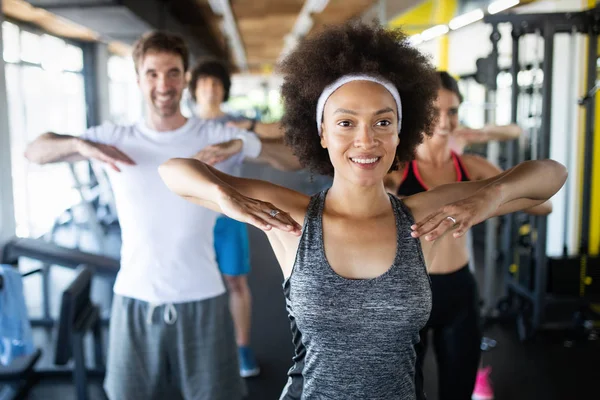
(355, 338)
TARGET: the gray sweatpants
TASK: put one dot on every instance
(184, 350)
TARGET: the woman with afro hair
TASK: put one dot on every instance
(357, 99)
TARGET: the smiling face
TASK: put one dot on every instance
(446, 105)
(360, 132)
(161, 79)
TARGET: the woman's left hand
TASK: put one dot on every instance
(459, 216)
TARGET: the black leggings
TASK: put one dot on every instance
(456, 328)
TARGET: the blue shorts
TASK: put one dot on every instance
(231, 246)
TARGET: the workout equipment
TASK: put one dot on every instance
(78, 316)
(51, 254)
(529, 279)
(95, 212)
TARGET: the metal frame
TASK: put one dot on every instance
(74, 4)
(78, 317)
(491, 225)
(589, 143)
(89, 83)
(7, 214)
(548, 24)
(50, 254)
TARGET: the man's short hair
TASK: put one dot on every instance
(161, 42)
(213, 68)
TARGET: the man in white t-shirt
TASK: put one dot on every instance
(170, 329)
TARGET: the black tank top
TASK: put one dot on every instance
(412, 183)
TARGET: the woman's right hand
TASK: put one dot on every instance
(260, 214)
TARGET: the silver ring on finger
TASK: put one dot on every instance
(274, 213)
(451, 219)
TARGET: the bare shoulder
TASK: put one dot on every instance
(419, 204)
(298, 203)
(479, 167)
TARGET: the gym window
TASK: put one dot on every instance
(125, 98)
(46, 92)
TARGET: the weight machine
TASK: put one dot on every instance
(533, 281)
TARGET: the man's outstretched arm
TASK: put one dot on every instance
(51, 147)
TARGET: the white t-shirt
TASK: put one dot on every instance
(167, 254)
(224, 120)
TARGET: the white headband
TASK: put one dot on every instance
(328, 91)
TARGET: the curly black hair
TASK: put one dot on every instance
(353, 48)
(213, 68)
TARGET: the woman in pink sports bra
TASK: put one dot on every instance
(454, 318)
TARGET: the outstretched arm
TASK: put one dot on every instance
(487, 133)
(273, 152)
(256, 202)
(461, 205)
(51, 147)
(264, 131)
(479, 168)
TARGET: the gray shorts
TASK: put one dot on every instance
(186, 350)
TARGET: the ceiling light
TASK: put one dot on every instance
(501, 5)
(230, 30)
(415, 40)
(316, 6)
(431, 33)
(303, 25)
(216, 6)
(466, 19)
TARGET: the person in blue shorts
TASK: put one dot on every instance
(209, 86)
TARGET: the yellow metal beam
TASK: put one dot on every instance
(416, 19)
(594, 233)
(595, 212)
(445, 10)
(425, 15)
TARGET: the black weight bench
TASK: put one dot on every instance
(78, 316)
(53, 254)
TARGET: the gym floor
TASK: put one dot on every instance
(542, 369)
